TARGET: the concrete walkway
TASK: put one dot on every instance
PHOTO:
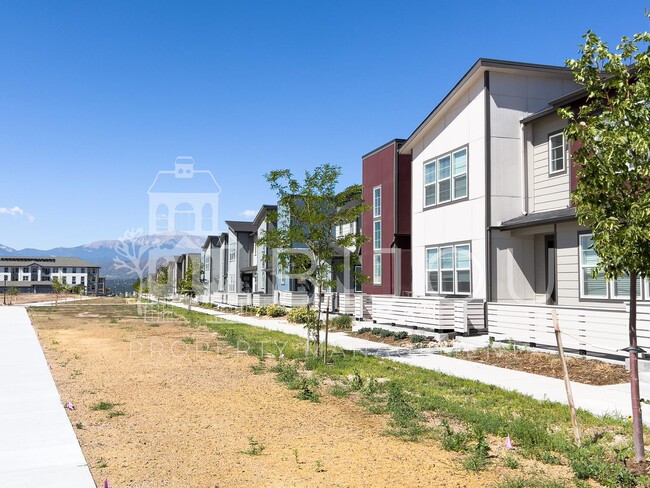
(39, 447)
(600, 400)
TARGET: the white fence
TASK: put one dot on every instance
(362, 306)
(426, 313)
(599, 331)
(291, 298)
(259, 299)
(343, 303)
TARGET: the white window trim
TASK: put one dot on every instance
(376, 243)
(610, 285)
(375, 207)
(453, 269)
(376, 278)
(550, 154)
(452, 178)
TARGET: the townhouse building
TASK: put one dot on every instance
(36, 273)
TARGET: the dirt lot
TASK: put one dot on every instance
(185, 409)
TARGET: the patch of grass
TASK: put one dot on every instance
(531, 482)
(340, 391)
(478, 458)
(510, 461)
(188, 340)
(55, 342)
(101, 463)
(255, 448)
(79, 425)
(287, 373)
(549, 458)
(75, 373)
(115, 413)
(452, 440)
(103, 406)
(320, 467)
(259, 367)
(308, 390)
(113, 320)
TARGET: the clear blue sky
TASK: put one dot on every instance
(96, 97)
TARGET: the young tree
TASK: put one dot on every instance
(57, 289)
(12, 292)
(611, 131)
(307, 217)
(186, 283)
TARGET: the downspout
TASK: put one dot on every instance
(524, 172)
(488, 193)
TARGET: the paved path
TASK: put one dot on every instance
(600, 400)
(39, 447)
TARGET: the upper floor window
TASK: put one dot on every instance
(376, 237)
(448, 270)
(376, 201)
(556, 153)
(445, 178)
(376, 269)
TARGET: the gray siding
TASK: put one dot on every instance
(550, 192)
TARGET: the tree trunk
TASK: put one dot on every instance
(637, 421)
(317, 326)
(327, 326)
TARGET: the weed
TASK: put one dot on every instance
(307, 390)
(342, 322)
(101, 463)
(255, 448)
(113, 320)
(75, 373)
(320, 467)
(55, 342)
(79, 425)
(531, 482)
(188, 340)
(339, 391)
(510, 462)
(474, 462)
(356, 383)
(115, 413)
(260, 367)
(549, 458)
(103, 406)
(451, 440)
(287, 373)
(295, 455)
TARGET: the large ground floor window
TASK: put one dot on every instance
(596, 286)
(448, 269)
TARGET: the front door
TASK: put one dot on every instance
(549, 274)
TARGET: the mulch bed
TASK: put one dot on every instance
(581, 370)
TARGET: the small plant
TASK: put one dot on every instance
(307, 390)
(79, 425)
(255, 448)
(342, 322)
(364, 330)
(115, 413)
(287, 373)
(103, 406)
(549, 458)
(383, 333)
(357, 382)
(301, 315)
(474, 462)
(261, 310)
(55, 342)
(101, 463)
(401, 335)
(260, 367)
(113, 320)
(339, 391)
(320, 467)
(416, 338)
(295, 455)
(188, 340)
(451, 440)
(75, 373)
(510, 462)
(275, 311)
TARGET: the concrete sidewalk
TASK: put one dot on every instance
(600, 400)
(39, 447)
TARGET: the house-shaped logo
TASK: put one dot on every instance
(184, 200)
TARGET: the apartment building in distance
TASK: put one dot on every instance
(35, 274)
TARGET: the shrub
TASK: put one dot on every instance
(364, 330)
(401, 335)
(376, 330)
(275, 311)
(383, 333)
(416, 338)
(301, 315)
(342, 322)
(261, 310)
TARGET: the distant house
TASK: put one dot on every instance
(184, 200)
(240, 248)
(215, 258)
(264, 274)
(178, 267)
(386, 257)
(35, 274)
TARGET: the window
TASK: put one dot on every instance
(65, 280)
(74, 280)
(445, 178)
(82, 270)
(556, 153)
(25, 278)
(65, 270)
(448, 270)
(357, 281)
(376, 237)
(376, 269)
(25, 270)
(376, 201)
(55, 270)
(598, 287)
(83, 280)
(231, 283)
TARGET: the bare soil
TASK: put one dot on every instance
(581, 370)
(186, 406)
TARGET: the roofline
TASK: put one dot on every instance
(384, 146)
(476, 67)
(521, 225)
(264, 209)
(230, 222)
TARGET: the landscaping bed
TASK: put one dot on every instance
(581, 370)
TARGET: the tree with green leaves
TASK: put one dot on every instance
(186, 283)
(12, 292)
(305, 240)
(611, 133)
(57, 289)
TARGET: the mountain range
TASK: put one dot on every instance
(121, 259)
